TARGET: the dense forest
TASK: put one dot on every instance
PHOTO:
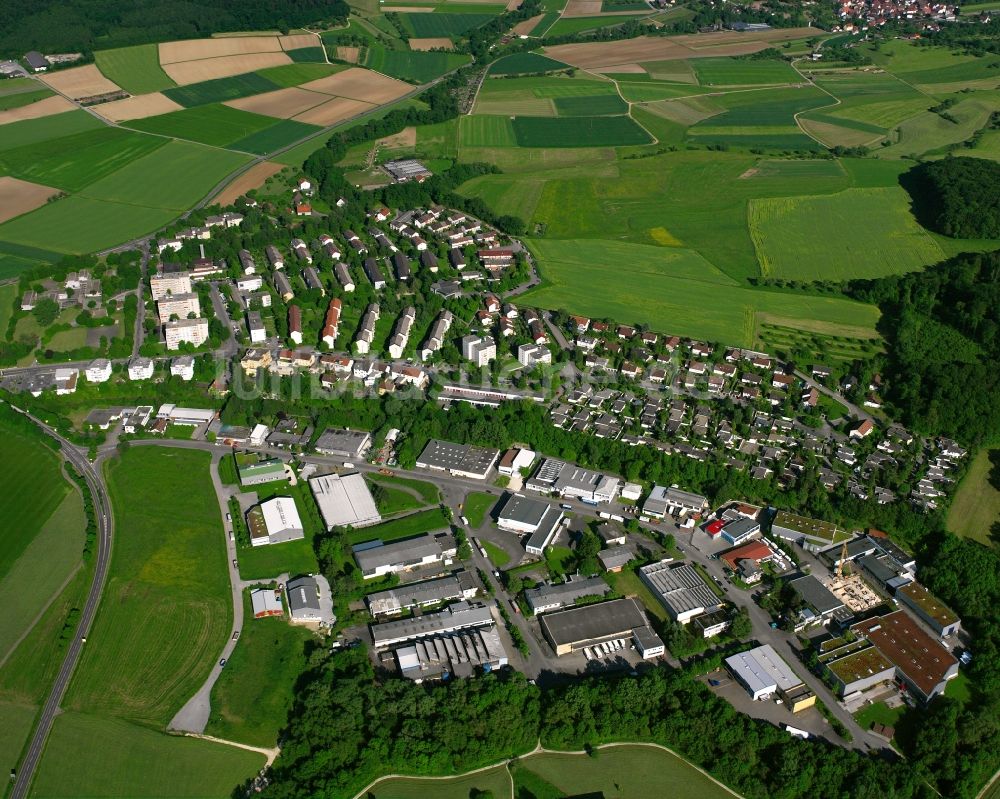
(55, 26)
(959, 197)
(942, 328)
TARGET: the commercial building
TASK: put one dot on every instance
(764, 673)
(185, 331)
(929, 609)
(375, 558)
(253, 469)
(821, 604)
(920, 660)
(755, 551)
(274, 522)
(589, 625)
(614, 559)
(809, 533)
(514, 460)
(553, 597)
(740, 530)
(191, 417)
(344, 500)
(458, 655)
(535, 518)
(406, 169)
(459, 616)
(461, 460)
(663, 500)
(568, 480)
(344, 443)
(857, 666)
(680, 589)
(418, 595)
(266, 602)
(310, 601)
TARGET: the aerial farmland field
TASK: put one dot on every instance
(480, 130)
(876, 234)
(88, 755)
(442, 23)
(136, 69)
(217, 125)
(167, 609)
(742, 72)
(578, 131)
(419, 67)
(525, 64)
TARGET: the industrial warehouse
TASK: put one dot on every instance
(592, 625)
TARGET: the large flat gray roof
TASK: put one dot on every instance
(815, 594)
(524, 510)
(593, 622)
(349, 443)
(457, 457)
(679, 587)
(762, 669)
(566, 592)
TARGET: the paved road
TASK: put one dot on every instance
(859, 413)
(105, 530)
(229, 345)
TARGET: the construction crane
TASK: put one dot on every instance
(843, 560)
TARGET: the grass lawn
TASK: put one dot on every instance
(879, 713)
(959, 688)
(627, 583)
(498, 556)
(428, 491)
(559, 559)
(8, 296)
(871, 233)
(91, 756)
(625, 772)
(251, 700)
(976, 506)
(475, 507)
(166, 609)
(136, 69)
(395, 500)
(494, 780)
(416, 523)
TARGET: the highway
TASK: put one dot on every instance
(105, 531)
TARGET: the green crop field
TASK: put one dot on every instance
(180, 174)
(442, 24)
(75, 161)
(414, 66)
(486, 131)
(976, 507)
(251, 700)
(766, 108)
(673, 290)
(871, 234)
(32, 131)
(91, 756)
(21, 99)
(84, 225)
(289, 75)
(578, 132)
(650, 91)
(136, 69)
(166, 609)
(281, 134)
(217, 125)
(546, 22)
(566, 26)
(30, 496)
(222, 89)
(743, 72)
(599, 105)
(307, 55)
(525, 64)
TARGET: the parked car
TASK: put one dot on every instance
(222, 663)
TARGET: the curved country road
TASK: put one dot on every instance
(105, 528)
